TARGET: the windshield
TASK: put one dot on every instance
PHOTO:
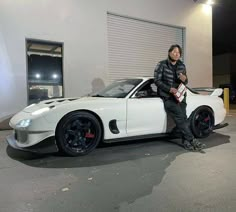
(118, 89)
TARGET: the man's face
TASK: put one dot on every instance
(175, 54)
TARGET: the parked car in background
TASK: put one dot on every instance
(232, 92)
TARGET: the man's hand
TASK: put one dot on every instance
(173, 90)
(182, 77)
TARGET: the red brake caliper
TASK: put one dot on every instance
(89, 135)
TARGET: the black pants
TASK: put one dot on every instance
(178, 112)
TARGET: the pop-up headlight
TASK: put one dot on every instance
(40, 111)
(30, 106)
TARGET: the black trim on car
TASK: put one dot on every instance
(48, 145)
(156, 135)
(113, 127)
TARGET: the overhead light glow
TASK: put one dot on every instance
(207, 9)
(37, 76)
(210, 2)
(54, 76)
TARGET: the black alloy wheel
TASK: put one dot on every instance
(201, 122)
(78, 133)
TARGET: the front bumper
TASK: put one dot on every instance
(46, 146)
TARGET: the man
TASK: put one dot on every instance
(168, 75)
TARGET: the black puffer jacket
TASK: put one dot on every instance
(166, 77)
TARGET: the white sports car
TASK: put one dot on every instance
(126, 109)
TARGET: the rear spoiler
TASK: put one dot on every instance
(210, 91)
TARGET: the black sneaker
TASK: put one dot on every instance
(197, 144)
(187, 145)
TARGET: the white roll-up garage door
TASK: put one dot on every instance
(135, 46)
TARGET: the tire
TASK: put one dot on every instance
(201, 122)
(78, 133)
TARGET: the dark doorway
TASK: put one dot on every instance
(45, 72)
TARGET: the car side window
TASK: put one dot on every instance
(149, 90)
(120, 91)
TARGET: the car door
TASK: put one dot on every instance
(145, 112)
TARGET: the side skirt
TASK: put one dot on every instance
(139, 137)
(219, 126)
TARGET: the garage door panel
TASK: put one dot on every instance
(135, 46)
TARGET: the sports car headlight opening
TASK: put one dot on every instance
(23, 123)
(40, 111)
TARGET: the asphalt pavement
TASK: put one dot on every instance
(148, 175)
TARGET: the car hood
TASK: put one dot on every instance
(66, 102)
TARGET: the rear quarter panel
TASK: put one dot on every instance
(215, 103)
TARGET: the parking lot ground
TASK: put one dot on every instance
(147, 175)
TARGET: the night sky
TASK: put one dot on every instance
(224, 27)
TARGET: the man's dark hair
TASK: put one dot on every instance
(175, 46)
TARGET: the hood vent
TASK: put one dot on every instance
(61, 100)
(48, 103)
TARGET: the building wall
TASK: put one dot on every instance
(224, 69)
(221, 69)
(233, 69)
(221, 64)
(220, 79)
(82, 26)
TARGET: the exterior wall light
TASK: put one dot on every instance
(207, 2)
(206, 5)
(207, 9)
(210, 2)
